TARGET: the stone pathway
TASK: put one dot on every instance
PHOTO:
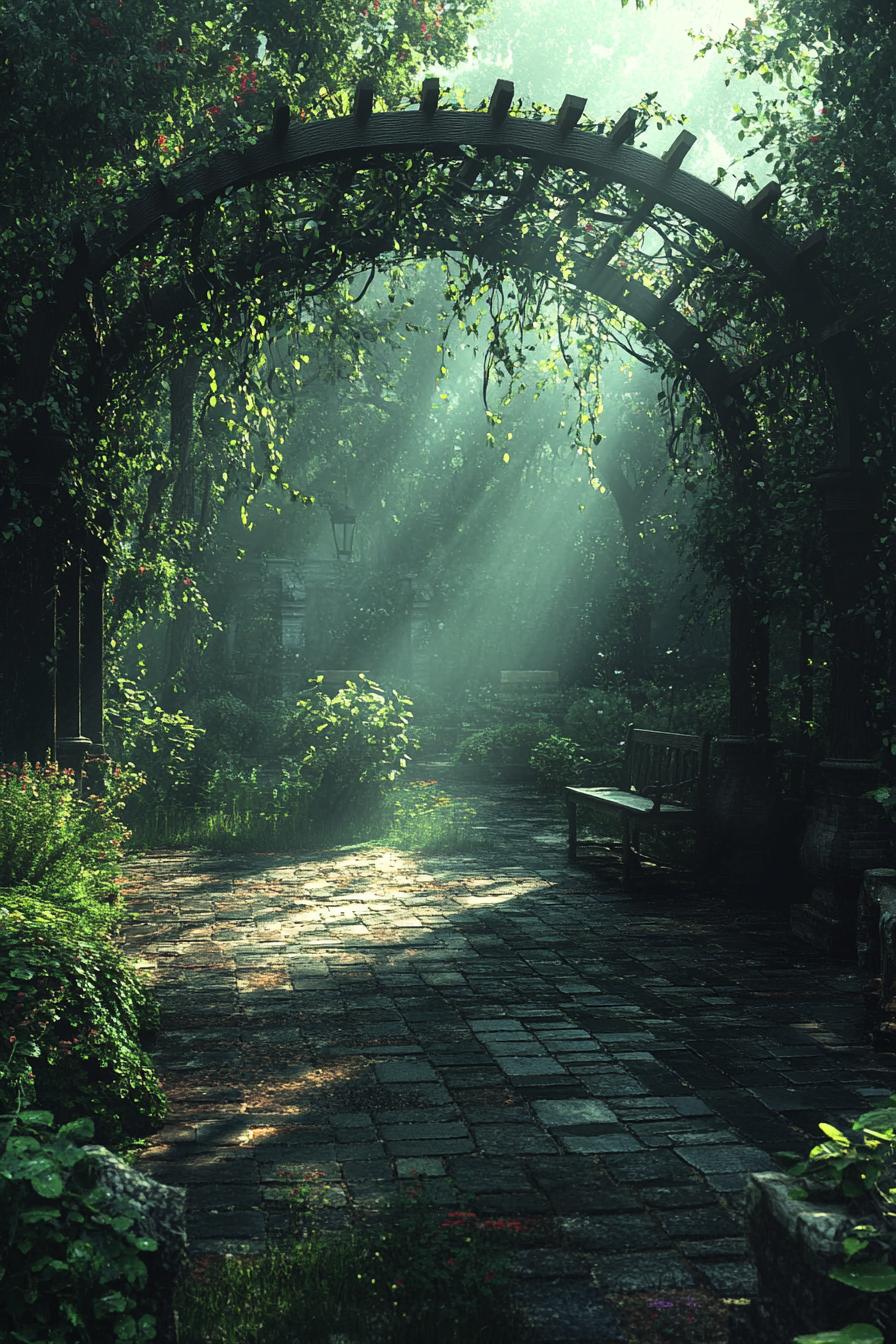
(521, 1035)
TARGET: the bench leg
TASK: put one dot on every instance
(573, 835)
(630, 853)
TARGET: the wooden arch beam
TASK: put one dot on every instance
(292, 146)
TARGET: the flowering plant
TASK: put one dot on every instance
(62, 846)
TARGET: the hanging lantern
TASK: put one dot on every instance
(342, 521)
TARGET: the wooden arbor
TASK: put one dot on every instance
(68, 713)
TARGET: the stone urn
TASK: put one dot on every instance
(794, 1244)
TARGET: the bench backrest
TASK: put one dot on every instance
(677, 761)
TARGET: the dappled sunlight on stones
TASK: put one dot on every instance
(528, 1041)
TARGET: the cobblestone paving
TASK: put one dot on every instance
(518, 1034)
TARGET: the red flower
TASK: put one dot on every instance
(214, 110)
(188, 582)
(162, 141)
(141, 569)
(814, 139)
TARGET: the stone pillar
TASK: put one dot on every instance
(291, 617)
(744, 803)
(748, 822)
(846, 832)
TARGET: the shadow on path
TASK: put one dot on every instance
(521, 1035)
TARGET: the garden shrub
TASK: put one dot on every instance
(350, 746)
(73, 1265)
(64, 848)
(597, 720)
(557, 761)
(159, 744)
(505, 745)
(72, 1015)
(226, 719)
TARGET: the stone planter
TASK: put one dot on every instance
(846, 834)
(794, 1244)
(876, 953)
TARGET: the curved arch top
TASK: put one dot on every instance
(289, 148)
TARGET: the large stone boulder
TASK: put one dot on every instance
(160, 1212)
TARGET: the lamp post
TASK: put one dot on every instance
(342, 521)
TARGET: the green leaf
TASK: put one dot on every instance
(40, 1118)
(868, 1276)
(82, 1128)
(850, 1334)
(47, 1183)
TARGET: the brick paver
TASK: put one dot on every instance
(516, 1034)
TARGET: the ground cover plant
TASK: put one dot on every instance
(319, 772)
(73, 1015)
(74, 1021)
(416, 1274)
(74, 1264)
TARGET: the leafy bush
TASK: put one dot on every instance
(62, 847)
(232, 723)
(336, 758)
(350, 745)
(597, 721)
(557, 761)
(506, 745)
(72, 1013)
(73, 1264)
(158, 743)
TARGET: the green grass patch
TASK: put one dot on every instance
(421, 1276)
(416, 817)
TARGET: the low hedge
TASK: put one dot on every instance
(73, 1014)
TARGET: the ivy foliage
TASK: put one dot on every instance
(72, 1016)
(74, 1263)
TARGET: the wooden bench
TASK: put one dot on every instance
(664, 786)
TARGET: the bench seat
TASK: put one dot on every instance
(622, 800)
(664, 785)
